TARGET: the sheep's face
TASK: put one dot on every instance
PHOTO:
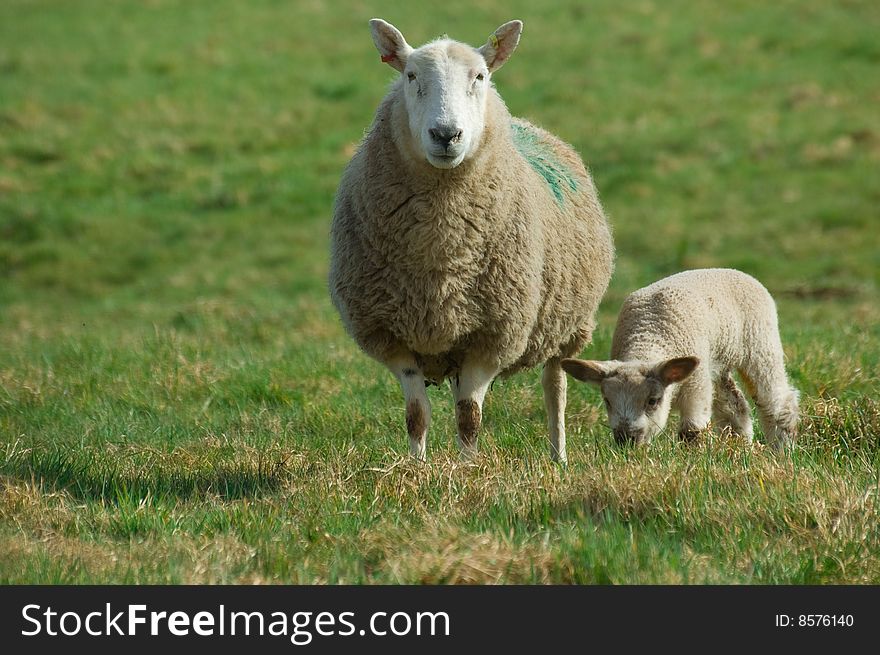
(445, 85)
(636, 394)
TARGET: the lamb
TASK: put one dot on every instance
(676, 345)
(465, 244)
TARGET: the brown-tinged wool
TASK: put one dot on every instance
(479, 258)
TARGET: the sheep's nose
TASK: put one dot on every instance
(629, 436)
(622, 437)
(445, 135)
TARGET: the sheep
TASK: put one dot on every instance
(465, 244)
(676, 345)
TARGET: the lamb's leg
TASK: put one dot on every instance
(418, 407)
(777, 403)
(730, 407)
(695, 405)
(469, 390)
(554, 382)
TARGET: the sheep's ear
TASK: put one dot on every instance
(501, 44)
(587, 370)
(392, 47)
(675, 370)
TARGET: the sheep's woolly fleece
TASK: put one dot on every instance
(507, 254)
(542, 160)
(724, 317)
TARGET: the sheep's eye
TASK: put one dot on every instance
(411, 76)
(480, 77)
(653, 402)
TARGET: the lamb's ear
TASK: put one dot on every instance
(390, 43)
(501, 44)
(675, 370)
(587, 370)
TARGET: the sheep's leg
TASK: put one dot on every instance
(730, 407)
(777, 403)
(418, 407)
(554, 382)
(695, 405)
(469, 390)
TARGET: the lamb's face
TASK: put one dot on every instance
(636, 402)
(445, 85)
(636, 394)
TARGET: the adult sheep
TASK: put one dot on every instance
(466, 244)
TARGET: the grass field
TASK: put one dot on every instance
(179, 402)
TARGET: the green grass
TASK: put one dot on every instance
(179, 402)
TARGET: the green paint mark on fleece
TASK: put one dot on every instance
(540, 157)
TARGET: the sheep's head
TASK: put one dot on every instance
(635, 393)
(445, 84)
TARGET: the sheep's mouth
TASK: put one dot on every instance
(634, 438)
(622, 438)
(445, 160)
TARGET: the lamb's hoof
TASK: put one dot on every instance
(689, 436)
(781, 446)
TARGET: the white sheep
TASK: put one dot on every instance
(465, 244)
(676, 345)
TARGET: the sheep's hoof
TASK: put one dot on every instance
(417, 449)
(468, 455)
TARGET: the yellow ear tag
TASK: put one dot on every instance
(494, 41)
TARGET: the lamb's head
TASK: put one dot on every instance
(635, 393)
(445, 85)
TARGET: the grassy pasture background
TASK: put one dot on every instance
(179, 403)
